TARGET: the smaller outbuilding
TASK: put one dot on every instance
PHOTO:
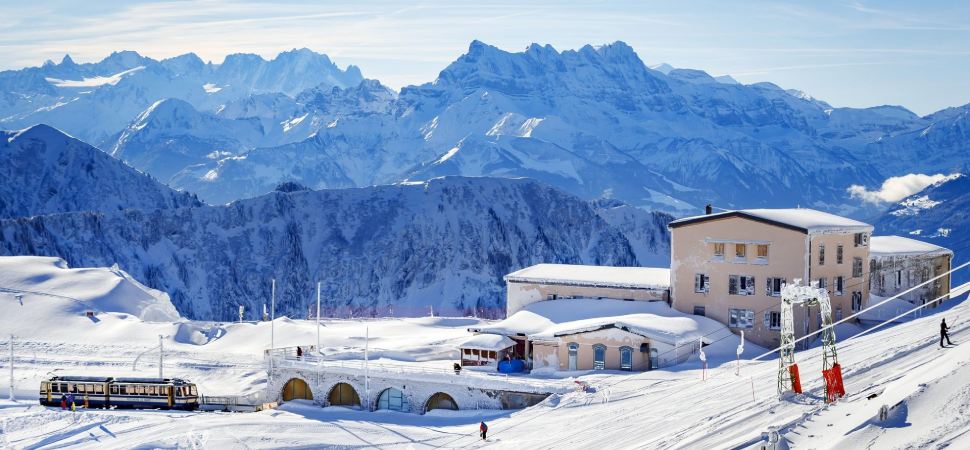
(898, 263)
(485, 349)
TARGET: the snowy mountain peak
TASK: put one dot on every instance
(67, 61)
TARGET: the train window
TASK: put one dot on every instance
(142, 390)
(192, 390)
(114, 390)
(55, 387)
(153, 390)
(43, 387)
(63, 387)
(71, 387)
(99, 389)
(89, 388)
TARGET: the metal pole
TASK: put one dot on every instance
(318, 316)
(12, 396)
(161, 357)
(272, 318)
(366, 371)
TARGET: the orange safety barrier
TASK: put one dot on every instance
(796, 383)
(834, 389)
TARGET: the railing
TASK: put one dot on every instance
(286, 357)
(250, 400)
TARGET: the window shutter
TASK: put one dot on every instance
(697, 282)
(750, 289)
(767, 319)
(750, 317)
(768, 288)
(733, 285)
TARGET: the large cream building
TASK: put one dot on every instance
(730, 266)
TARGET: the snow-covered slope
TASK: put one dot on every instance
(445, 243)
(95, 101)
(46, 171)
(80, 290)
(940, 215)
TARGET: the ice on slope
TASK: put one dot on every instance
(89, 289)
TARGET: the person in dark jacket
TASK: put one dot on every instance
(943, 333)
(299, 352)
(63, 402)
(483, 429)
(457, 368)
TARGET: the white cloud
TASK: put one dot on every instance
(895, 189)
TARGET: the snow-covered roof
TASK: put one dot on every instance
(546, 320)
(801, 219)
(598, 276)
(494, 342)
(903, 246)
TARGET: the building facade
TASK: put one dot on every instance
(898, 264)
(730, 266)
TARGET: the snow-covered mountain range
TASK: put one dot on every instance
(940, 214)
(95, 101)
(45, 171)
(596, 122)
(387, 249)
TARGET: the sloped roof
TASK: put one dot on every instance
(903, 246)
(494, 342)
(548, 319)
(598, 276)
(800, 219)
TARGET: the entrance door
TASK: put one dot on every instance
(296, 389)
(573, 352)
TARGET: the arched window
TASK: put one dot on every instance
(441, 401)
(599, 357)
(654, 363)
(573, 355)
(392, 399)
(626, 358)
(343, 394)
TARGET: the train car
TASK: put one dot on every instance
(91, 392)
(107, 392)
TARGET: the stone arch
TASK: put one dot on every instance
(440, 400)
(296, 389)
(392, 399)
(343, 394)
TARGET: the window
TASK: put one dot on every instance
(838, 254)
(773, 288)
(856, 301)
(654, 358)
(741, 285)
(55, 387)
(861, 239)
(839, 284)
(193, 391)
(740, 251)
(821, 254)
(391, 399)
(823, 283)
(899, 278)
(698, 310)
(741, 318)
(553, 297)
(626, 358)
(701, 283)
(718, 250)
(599, 357)
(99, 389)
(43, 387)
(856, 267)
(773, 320)
(762, 253)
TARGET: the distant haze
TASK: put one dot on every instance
(848, 54)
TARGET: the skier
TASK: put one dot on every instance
(63, 402)
(483, 429)
(943, 333)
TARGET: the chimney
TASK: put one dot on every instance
(708, 209)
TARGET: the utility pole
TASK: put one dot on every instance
(272, 325)
(318, 316)
(161, 357)
(366, 372)
(12, 396)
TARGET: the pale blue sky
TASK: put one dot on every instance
(915, 54)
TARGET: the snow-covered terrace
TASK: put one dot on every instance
(883, 246)
(593, 276)
(547, 320)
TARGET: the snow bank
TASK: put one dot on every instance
(87, 289)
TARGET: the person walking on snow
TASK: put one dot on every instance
(943, 333)
(483, 429)
(299, 352)
(63, 402)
